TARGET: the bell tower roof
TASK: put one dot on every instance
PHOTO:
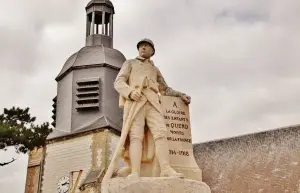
(92, 56)
(99, 2)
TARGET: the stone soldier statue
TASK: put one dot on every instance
(132, 87)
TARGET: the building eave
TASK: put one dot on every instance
(297, 126)
(58, 78)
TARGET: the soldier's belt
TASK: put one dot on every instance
(150, 87)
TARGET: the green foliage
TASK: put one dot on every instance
(17, 128)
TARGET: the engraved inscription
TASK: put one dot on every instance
(179, 152)
(179, 139)
(177, 126)
(175, 112)
(176, 118)
(177, 122)
(176, 132)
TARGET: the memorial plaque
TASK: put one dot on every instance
(177, 119)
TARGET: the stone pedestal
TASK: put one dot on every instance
(177, 119)
(156, 185)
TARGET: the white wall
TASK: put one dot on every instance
(64, 157)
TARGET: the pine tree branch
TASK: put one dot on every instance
(17, 128)
(6, 163)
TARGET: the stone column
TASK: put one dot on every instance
(88, 26)
(111, 25)
(103, 22)
(93, 23)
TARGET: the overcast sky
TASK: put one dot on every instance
(237, 59)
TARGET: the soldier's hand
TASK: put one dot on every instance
(135, 95)
(186, 99)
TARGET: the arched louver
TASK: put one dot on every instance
(54, 111)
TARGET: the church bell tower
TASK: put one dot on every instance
(87, 118)
(86, 98)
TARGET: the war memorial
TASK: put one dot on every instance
(120, 128)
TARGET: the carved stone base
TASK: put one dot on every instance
(156, 185)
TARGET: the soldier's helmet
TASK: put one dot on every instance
(146, 40)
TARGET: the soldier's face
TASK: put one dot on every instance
(145, 50)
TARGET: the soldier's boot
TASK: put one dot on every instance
(122, 172)
(134, 176)
(162, 153)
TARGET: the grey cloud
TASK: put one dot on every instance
(18, 53)
(248, 16)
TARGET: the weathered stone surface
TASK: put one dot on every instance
(157, 185)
